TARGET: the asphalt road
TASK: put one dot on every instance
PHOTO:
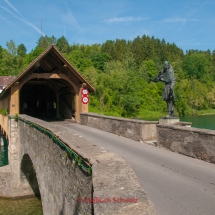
(175, 184)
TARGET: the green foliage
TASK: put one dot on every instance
(63, 45)
(90, 73)
(148, 70)
(4, 112)
(21, 50)
(16, 117)
(79, 60)
(33, 54)
(121, 71)
(45, 41)
(198, 66)
(180, 104)
(1, 52)
(11, 47)
(99, 59)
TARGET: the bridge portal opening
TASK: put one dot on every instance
(47, 98)
(28, 175)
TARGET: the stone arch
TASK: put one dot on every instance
(28, 176)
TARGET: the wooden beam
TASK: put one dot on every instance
(50, 76)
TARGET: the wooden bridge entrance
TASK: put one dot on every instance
(49, 87)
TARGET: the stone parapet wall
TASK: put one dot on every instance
(116, 183)
(193, 142)
(130, 128)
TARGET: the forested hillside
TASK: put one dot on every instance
(121, 71)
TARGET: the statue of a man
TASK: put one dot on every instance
(167, 76)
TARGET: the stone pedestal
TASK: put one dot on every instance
(168, 120)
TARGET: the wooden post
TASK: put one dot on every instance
(57, 106)
(14, 100)
(84, 107)
(78, 104)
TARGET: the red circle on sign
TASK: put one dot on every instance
(85, 100)
(84, 91)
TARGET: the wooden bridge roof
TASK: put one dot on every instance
(51, 61)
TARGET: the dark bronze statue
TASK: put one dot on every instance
(167, 76)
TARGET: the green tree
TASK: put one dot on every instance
(1, 52)
(11, 47)
(148, 70)
(79, 60)
(99, 59)
(21, 50)
(108, 47)
(63, 45)
(32, 55)
(45, 41)
(198, 66)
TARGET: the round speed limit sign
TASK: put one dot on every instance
(85, 100)
(85, 92)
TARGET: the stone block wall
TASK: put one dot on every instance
(10, 175)
(5, 181)
(130, 128)
(14, 157)
(193, 142)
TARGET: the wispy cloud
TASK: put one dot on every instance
(125, 19)
(18, 15)
(6, 18)
(70, 20)
(178, 20)
(11, 6)
(195, 11)
(173, 20)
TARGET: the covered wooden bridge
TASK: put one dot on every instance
(49, 87)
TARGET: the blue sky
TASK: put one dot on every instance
(190, 24)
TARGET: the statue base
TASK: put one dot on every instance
(168, 120)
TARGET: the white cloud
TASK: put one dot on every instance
(125, 19)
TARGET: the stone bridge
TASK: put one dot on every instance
(64, 170)
(67, 172)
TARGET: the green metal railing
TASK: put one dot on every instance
(3, 152)
(80, 161)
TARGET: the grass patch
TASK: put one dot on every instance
(205, 112)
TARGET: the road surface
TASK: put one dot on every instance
(175, 184)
